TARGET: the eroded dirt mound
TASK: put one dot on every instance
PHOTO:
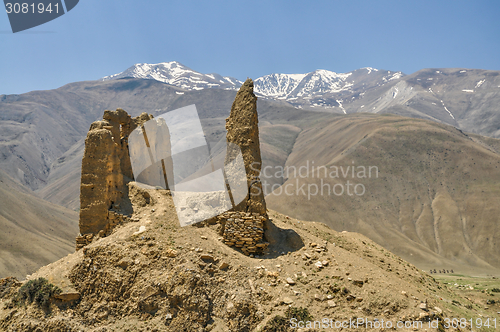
(152, 275)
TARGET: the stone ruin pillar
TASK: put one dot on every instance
(106, 170)
(244, 226)
(243, 130)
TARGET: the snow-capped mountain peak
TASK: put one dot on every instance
(175, 73)
(278, 86)
(289, 86)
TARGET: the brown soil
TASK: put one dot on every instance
(169, 278)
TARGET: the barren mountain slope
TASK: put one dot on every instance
(465, 98)
(432, 195)
(63, 186)
(40, 127)
(33, 231)
(405, 209)
(169, 278)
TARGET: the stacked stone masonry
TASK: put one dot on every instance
(114, 218)
(243, 230)
(83, 240)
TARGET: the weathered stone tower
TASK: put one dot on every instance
(244, 226)
(106, 170)
(243, 130)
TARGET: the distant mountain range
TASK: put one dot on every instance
(465, 98)
(300, 90)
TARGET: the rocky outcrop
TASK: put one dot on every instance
(243, 130)
(106, 170)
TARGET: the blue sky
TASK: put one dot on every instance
(249, 38)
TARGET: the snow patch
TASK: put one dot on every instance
(396, 76)
(395, 93)
(370, 69)
(179, 93)
(278, 85)
(480, 83)
(446, 109)
(449, 112)
(467, 90)
(109, 77)
(339, 101)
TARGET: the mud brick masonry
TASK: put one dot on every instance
(106, 170)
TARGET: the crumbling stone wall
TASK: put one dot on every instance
(113, 218)
(243, 230)
(106, 170)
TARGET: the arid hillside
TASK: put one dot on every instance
(425, 191)
(34, 232)
(153, 275)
